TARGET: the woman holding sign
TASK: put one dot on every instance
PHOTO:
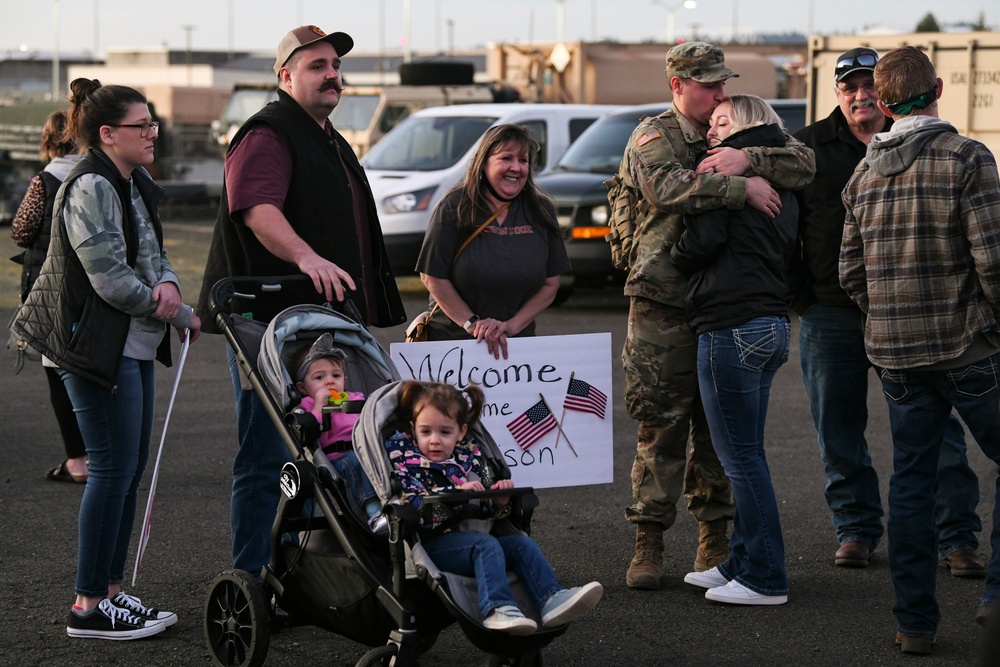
(493, 252)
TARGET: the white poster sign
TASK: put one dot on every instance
(548, 405)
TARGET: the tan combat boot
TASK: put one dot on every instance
(713, 544)
(644, 570)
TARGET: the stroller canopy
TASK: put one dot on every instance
(368, 364)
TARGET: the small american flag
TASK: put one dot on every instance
(532, 425)
(585, 398)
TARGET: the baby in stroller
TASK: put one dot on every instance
(319, 375)
(437, 456)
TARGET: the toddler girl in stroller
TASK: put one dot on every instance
(320, 377)
(436, 456)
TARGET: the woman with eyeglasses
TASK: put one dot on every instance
(100, 310)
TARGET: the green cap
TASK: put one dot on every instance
(699, 61)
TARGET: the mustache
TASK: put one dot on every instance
(331, 85)
(862, 104)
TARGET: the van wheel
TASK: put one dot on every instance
(237, 621)
(437, 74)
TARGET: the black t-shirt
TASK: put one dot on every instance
(503, 267)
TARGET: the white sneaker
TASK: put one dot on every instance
(736, 593)
(707, 579)
(570, 604)
(149, 614)
(509, 619)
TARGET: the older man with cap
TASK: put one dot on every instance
(295, 201)
(660, 354)
(835, 368)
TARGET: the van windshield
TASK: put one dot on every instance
(245, 102)
(354, 113)
(600, 148)
(427, 143)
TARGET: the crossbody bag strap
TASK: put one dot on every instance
(467, 242)
(479, 229)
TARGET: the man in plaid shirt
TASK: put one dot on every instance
(921, 257)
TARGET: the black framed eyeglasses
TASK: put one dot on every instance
(144, 128)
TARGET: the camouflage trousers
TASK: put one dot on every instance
(661, 392)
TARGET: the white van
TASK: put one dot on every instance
(424, 156)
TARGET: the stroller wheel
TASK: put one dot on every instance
(237, 621)
(380, 656)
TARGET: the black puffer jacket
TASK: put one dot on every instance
(63, 317)
(736, 260)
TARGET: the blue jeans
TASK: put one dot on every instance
(919, 406)
(256, 468)
(835, 370)
(349, 468)
(116, 427)
(487, 558)
(735, 369)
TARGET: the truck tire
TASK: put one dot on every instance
(436, 74)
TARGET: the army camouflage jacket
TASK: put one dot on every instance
(661, 156)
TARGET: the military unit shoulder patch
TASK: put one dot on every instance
(646, 138)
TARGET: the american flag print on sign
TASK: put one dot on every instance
(532, 425)
(585, 398)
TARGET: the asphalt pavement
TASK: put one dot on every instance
(834, 616)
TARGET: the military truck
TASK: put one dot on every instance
(968, 63)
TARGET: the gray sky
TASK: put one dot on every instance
(437, 24)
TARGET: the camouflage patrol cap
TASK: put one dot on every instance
(699, 61)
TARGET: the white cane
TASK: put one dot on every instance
(148, 519)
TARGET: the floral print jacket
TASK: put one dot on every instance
(421, 477)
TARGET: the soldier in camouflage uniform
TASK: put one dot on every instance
(660, 354)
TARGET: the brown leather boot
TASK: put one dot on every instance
(713, 544)
(644, 570)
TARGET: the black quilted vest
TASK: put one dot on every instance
(63, 317)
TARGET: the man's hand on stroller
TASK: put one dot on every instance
(328, 278)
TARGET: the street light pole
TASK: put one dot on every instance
(55, 51)
(671, 15)
(187, 54)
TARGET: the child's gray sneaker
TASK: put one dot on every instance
(571, 603)
(509, 619)
(378, 523)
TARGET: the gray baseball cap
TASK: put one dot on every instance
(698, 61)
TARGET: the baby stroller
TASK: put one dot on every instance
(380, 591)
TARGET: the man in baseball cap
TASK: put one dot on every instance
(295, 199)
(306, 35)
(659, 161)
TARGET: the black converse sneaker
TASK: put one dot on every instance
(148, 614)
(110, 622)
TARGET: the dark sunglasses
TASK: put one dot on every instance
(921, 101)
(863, 60)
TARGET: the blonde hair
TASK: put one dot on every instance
(750, 111)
